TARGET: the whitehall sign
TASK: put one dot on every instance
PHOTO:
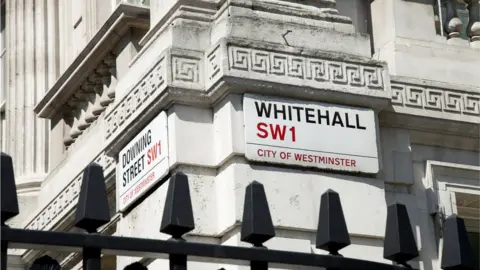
(143, 162)
(310, 134)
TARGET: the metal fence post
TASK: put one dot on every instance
(257, 225)
(457, 252)
(9, 201)
(332, 232)
(92, 211)
(399, 245)
(177, 217)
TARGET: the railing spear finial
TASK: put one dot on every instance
(332, 232)
(457, 252)
(177, 217)
(257, 226)
(9, 199)
(399, 245)
(92, 210)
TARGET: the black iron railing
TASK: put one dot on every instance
(257, 228)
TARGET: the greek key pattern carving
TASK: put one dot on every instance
(213, 63)
(67, 198)
(186, 69)
(304, 67)
(154, 80)
(436, 99)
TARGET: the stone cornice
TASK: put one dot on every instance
(436, 100)
(123, 18)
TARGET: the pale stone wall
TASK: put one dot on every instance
(197, 63)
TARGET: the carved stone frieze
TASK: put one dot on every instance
(277, 65)
(153, 83)
(434, 100)
(175, 68)
(66, 200)
(306, 68)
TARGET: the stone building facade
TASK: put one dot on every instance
(82, 78)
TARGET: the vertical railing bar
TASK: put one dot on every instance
(4, 257)
(440, 16)
(92, 259)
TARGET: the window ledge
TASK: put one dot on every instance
(124, 17)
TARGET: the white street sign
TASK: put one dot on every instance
(310, 134)
(143, 162)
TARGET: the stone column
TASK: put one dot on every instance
(31, 70)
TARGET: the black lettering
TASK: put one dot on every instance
(358, 122)
(140, 145)
(325, 116)
(278, 111)
(135, 168)
(309, 115)
(149, 137)
(298, 109)
(141, 162)
(263, 109)
(125, 178)
(337, 119)
(290, 113)
(347, 124)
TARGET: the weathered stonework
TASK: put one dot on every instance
(197, 63)
(276, 65)
(66, 200)
(423, 98)
(186, 71)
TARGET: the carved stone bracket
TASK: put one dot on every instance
(90, 99)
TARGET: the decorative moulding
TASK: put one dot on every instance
(300, 68)
(435, 169)
(65, 201)
(182, 71)
(191, 77)
(435, 99)
(124, 17)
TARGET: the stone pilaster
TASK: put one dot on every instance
(31, 68)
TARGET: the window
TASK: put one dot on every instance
(359, 12)
(440, 13)
(467, 206)
(453, 188)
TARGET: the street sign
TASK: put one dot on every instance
(310, 134)
(143, 162)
